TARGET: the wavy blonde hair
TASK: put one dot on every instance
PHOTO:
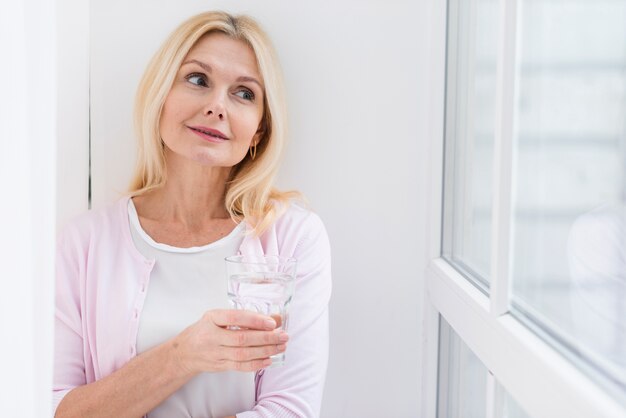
(250, 194)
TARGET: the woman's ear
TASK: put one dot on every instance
(256, 139)
(258, 135)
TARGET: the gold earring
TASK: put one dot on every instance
(253, 151)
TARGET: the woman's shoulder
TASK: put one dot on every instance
(103, 219)
(297, 222)
(295, 213)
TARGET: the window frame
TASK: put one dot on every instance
(483, 322)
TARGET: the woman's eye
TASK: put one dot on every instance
(245, 94)
(197, 79)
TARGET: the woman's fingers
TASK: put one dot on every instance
(244, 338)
(247, 354)
(242, 319)
(278, 319)
(210, 344)
(246, 366)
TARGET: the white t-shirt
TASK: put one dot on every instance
(185, 283)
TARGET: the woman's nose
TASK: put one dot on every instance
(219, 115)
(215, 106)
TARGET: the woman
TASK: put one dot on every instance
(142, 325)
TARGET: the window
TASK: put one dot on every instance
(463, 381)
(532, 267)
(462, 378)
(568, 218)
(469, 131)
(510, 407)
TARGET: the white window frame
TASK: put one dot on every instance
(535, 374)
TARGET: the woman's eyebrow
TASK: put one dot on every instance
(209, 70)
(206, 67)
(250, 79)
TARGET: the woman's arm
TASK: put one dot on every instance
(148, 379)
(295, 389)
(131, 391)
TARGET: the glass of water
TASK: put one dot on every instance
(263, 284)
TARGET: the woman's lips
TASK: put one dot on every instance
(208, 134)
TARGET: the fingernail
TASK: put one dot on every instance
(283, 337)
(281, 347)
(270, 323)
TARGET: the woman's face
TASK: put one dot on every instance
(213, 111)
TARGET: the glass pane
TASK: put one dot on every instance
(569, 221)
(462, 378)
(470, 106)
(511, 408)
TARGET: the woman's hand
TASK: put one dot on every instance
(209, 346)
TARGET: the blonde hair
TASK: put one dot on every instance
(250, 194)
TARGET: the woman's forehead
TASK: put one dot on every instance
(222, 52)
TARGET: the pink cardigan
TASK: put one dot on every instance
(101, 283)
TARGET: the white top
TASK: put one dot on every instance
(185, 283)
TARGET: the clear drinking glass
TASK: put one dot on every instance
(263, 284)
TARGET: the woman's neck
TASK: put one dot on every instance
(191, 195)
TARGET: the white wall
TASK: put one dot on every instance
(73, 108)
(27, 212)
(358, 92)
